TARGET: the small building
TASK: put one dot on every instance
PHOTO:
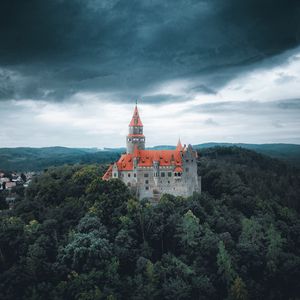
(9, 185)
(152, 173)
(4, 179)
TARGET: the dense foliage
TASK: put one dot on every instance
(289, 153)
(74, 236)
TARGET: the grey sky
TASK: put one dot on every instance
(70, 71)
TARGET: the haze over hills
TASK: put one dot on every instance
(26, 158)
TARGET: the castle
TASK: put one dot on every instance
(151, 173)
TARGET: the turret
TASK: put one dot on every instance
(179, 146)
(135, 136)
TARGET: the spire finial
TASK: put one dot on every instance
(136, 121)
(179, 145)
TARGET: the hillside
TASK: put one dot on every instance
(287, 152)
(35, 159)
(74, 236)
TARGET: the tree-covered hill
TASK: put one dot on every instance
(37, 159)
(74, 236)
(286, 152)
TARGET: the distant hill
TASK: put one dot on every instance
(119, 150)
(26, 158)
(34, 159)
(287, 152)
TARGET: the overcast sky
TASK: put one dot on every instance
(211, 70)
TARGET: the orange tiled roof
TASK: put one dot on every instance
(146, 158)
(178, 169)
(136, 120)
(125, 162)
(108, 173)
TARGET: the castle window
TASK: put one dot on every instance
(146, 175)
(168, 181)
(147, 188)
(179, 174)
(128, 174)
(115, 174)
(187, 160)
(146, 181)
(192, 160)
(162, 174)
(134, 175)
(175, 174)
(129, 140)
(170, 174)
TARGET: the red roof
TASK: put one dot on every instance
(108, 173)
(125, 162)
(146, 158)
(165, 157)
(136, 120)
(178, 169)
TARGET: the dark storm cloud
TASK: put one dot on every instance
(249, 107)
(203, 89)
(59, 47)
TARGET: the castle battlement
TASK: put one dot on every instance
(151, 173)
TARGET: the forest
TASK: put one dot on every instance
(73, 236)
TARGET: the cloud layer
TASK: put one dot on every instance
(78, 66)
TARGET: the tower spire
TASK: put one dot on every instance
(136, 120)
(135, 135)
(179, 145)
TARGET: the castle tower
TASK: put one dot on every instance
(135, 136)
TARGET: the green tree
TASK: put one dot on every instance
(189, 230)
(3, 203)
(238, 289)
(275, 243)
(225, 268)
